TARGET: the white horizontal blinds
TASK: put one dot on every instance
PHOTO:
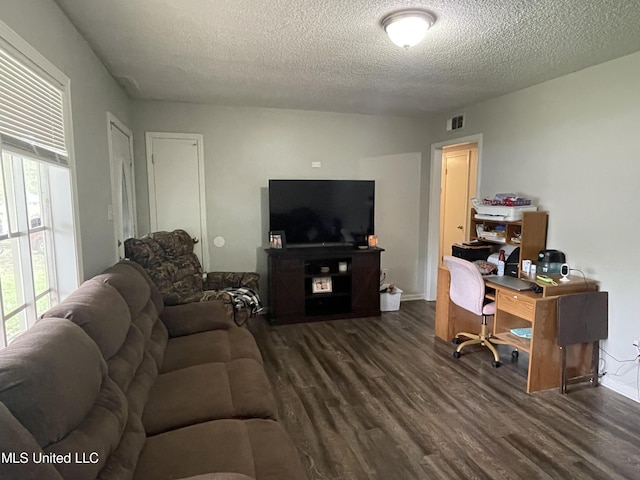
(31, 111)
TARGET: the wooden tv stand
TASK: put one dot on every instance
(354, 292)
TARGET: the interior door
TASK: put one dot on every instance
(459, 178)
(176, 186)
(122, 183)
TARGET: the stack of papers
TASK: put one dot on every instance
(521, 332)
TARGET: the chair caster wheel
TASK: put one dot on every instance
(515, 354)
(456, 341)
(456, 354)
(495, 364)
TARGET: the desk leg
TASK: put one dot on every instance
(595, 358)
(563, 384)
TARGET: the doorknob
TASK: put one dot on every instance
(460, 227)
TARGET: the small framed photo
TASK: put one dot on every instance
(277, 239)
(321, 285)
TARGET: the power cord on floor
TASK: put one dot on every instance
(625, 363)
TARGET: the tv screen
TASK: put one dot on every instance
(322, 212)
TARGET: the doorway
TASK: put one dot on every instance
(459, 180)
(123, 208)
(175, 166)
(433, 243)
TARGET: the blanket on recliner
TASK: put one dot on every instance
(245, 297)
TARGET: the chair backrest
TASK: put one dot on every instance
(467, 285)
(169, 260)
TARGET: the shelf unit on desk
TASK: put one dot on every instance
(531, 230)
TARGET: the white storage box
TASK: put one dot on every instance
(390, 302)
(502, 213)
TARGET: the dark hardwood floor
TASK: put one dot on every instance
(382, 398)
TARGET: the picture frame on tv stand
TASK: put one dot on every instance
(277, 240)
(321, 285)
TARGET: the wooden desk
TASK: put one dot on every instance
(519, 310)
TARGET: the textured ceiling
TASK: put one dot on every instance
(332, 55)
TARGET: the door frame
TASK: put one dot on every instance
(433, 237)
(153, 214)
(113, 120)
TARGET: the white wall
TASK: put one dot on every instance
(245, 147)
(572, 145)
(42, 24)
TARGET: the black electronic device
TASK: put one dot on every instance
(550, 261)
(315, 213)
(512, 264)
(471, 253)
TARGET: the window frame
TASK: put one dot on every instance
(19, 49)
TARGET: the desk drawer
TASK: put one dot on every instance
(516, 304)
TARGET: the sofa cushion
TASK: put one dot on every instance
(16, 440)
(197, 317)
(122, 462)
(235, 389)
(211, 346)
(50, 377)
(129, 283)
(53, 379)
(99, 433)
(124, 364)
(101, 312)
(258, 448)
(155, 295)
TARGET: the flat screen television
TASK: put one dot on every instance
(322, 212)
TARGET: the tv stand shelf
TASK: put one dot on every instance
(307, 284)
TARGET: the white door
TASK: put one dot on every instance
(459, 178)
(123, 210)
(175, 165)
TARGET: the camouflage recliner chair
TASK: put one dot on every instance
(169, 260)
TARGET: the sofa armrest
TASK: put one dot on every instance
(197, 317)
(219, 476)
(222, 280)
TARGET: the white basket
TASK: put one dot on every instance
(390, 302)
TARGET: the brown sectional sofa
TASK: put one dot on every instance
(111, 384)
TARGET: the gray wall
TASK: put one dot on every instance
(93, 92)
(245, 147)
(571, 144)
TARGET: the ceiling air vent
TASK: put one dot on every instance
(455, 123)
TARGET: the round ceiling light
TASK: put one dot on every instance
(407, 28)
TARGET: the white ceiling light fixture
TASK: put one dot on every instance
(407, 28)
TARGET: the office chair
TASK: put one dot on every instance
(467, 291)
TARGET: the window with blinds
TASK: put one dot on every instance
(31, 111)
(37, 232)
